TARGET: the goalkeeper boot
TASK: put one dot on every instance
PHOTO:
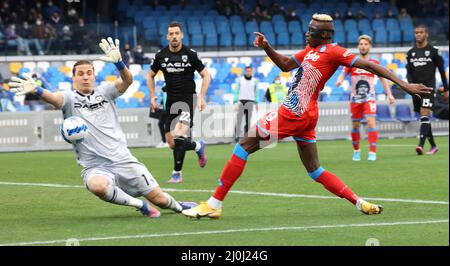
(368, 208)
(148, 210)
(203, 210)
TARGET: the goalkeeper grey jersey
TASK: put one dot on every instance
(105, 143)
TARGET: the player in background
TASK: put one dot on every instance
(110, 171)
(363, 99)
(178, 64)
(422, 61)
(298, 115)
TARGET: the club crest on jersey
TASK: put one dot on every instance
(184, 58)
(99, 98)
(313, 56)
(427, 53)
(413, 54)
(166, 59)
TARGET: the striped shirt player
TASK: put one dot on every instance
(363, 100)
(110, 171)
(298, 115)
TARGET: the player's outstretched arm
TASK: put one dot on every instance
(27, 85)
(385, 73)
(285, 63)
(112, 55)
(340, 80)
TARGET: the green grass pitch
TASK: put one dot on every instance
(414, 191)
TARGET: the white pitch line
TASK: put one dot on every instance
(282, 195)
(245, 230)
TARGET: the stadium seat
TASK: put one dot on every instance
(211, 40)
(392, 23)
(339, 37)
(266, 27)
(350, 25)
(283, 39)
(403, 113)
(225, 39)
(294, 26)
(364, 25)
(352, 37)
(251, 26)
(394, 36)
(384, 114)
(240, 41)
(380, 36)
(197, 40)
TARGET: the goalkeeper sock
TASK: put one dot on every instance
(356, 136)
(172, 204)
(231, 172)
(118, 196)
(372, 135)
(333, 184)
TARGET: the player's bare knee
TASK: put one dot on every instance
(98, 186)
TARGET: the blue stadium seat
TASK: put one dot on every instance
(297, 39)
(250, 27)
(394, 36)
(280, 26)
(237, 27)
(378, 24)
(403, 113)
(392, 23)
(364, 25)
(352, 37)
(384, 114)
(380, 36)
(240, 40)
(406, 24)
(225, 39)
(222, 26)
(194, 27)
(197, 40)
(339, 37)
(283, 39)
(211, 40)
(408, 36)
(266, 27)
(350, 25)
(338, 25)
(294, 26)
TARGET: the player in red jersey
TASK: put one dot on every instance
(298, 115)
(363, 100)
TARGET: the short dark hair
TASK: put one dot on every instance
(423, 26)
(81, 62)
(176, 24)
(247, 67)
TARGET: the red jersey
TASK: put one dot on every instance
(363, 83)
(316, 66)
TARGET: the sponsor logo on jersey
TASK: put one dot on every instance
(313, 56)
(361, 71)
(347, 53)
(176, 67)
(420, 61)
(91, 106)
